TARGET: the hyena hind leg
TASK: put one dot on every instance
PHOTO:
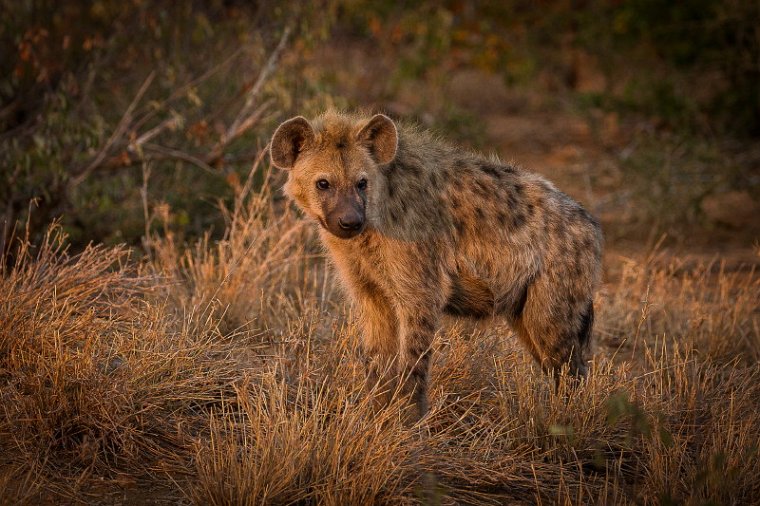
(554, 344)
(579, 361)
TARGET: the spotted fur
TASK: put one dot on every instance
(444, 231)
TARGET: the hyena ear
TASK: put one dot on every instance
(380, 136)
(289, 140)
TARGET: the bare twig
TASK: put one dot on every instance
(644, 317)
(121, 128)
(243, 120)
(146, 211)
(249, 121)
(180, 155)
(169, 123)
(249, 114)
(182, 89)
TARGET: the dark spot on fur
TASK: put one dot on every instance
(413, 171)
(518, 220)
(502, 217)
(419, 373)
(480, 213)
(370, 288)
(460, 226)
(420, 364)
(454, 202)
(583, 214)
(480, 188)
(491, 170)
(519, 188)
(531, 209)
(416, 349)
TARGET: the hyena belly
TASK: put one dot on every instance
(470, 296)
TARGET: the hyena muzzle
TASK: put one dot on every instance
(418, 229)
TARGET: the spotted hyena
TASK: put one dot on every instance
(418, 228)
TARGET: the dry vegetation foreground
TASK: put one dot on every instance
(229, 374)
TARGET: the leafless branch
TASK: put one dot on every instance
(250, 113)
(235, 129)
(183, 89)
(169, 123)
(179, 155)
(117, 134)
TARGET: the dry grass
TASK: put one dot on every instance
(228, 373)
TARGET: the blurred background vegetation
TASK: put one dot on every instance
(119, 117)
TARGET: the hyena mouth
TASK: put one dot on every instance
(339, 231)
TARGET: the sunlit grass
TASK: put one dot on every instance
(228, 373)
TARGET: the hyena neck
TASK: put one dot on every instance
(405, 200)
(364, 243)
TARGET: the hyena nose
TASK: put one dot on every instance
(351, 222)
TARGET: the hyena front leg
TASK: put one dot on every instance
(379, 341)
(417, 326)
(421, 297)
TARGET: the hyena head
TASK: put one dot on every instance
(333, 166)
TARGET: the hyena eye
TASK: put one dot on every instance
(323, 184)
(362, 184)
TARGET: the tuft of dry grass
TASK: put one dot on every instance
(96, 380)
(312, 441)
(229, 373)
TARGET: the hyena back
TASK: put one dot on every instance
(418, 228)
